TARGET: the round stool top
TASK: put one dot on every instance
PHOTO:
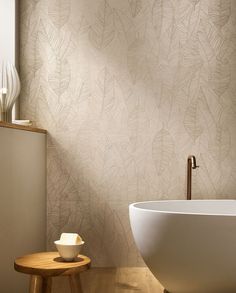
(49, 264)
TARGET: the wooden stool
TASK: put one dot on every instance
(45, 265)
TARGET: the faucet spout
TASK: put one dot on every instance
(191, 164)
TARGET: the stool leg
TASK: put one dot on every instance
(36, 283)
(75, 284)
(39, 284)
(47, 285)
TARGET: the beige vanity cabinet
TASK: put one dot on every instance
(22, 202)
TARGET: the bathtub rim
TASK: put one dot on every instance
(134, 206)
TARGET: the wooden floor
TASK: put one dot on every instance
(113, 280)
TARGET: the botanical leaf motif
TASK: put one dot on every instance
(59, 43)
(35, 2)
(211, 41)
(157, 16)
(83, 92)
(207, 178)
(71, 213)
(219, 147)
(133, 122)
(162, 150)
(162, 16)
(232, 98)
(113, 174)
(185, 77)
(59, 12)
(220, 77)
(28, 24)
(44, 115)
(59, 78)
(118, 240)
(186, 19)
(34, 89)
(107, 89)
(211, 109)
(219, 12)
(124, 25)
(137, 120)
(135, 7)
(165, 103)
(30, 85)
(191, 55)
(138, 60)
(79, 28)
(103, 31)
(194, 2)
(35, 59)
(191, 121)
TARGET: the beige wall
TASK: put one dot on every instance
(127, 90)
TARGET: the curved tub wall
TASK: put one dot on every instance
(188, 252)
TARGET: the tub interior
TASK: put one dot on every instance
(203, 207)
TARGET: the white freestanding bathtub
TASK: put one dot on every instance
(190, 246)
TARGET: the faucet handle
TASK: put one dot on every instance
(193, 161)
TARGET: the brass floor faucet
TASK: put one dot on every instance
(191, 164)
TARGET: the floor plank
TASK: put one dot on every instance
(113, 280)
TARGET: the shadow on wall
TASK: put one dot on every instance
(82, 208)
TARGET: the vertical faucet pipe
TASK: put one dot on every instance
(191, 164)
(189, 178)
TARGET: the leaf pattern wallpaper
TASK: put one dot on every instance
(127, 90)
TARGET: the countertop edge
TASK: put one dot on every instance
(22, 127)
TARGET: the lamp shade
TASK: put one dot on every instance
(9, 89)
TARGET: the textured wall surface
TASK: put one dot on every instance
(127, 90)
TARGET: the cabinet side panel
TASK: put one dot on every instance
(22, 202)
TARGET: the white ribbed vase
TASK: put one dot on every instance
(9, 90)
